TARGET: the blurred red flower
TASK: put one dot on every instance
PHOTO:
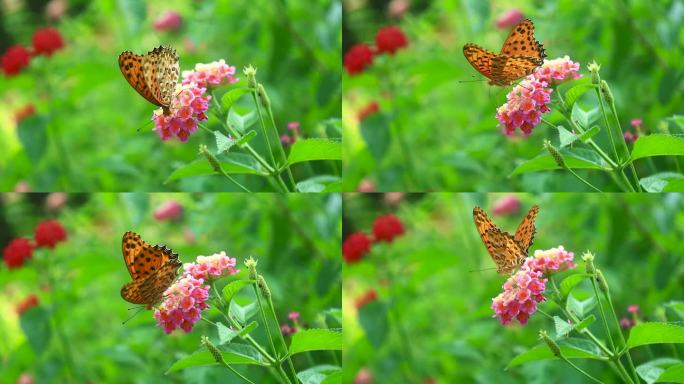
(48, 233)
(368, 296)
(355, 246)
(25, 378)
(14, 59)
(509, 19)
(168, 211)
(358, 58)
(507, 205)
(46, 41)
(16, 252)
(387, 227)
(390, 40)
(26, 111)
(364, 376)
(29, 302)
(369, 109)
(168, 21)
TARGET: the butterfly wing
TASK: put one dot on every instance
(521, 42)
(507, 69)
(483, 224)
(141, 258)
(131, 66)
(506, 252)
(526, 230)
(161, 70)
(479, 58)
(150, 290)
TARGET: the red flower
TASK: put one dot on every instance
(29, 302)
(169, 21)
(369, 296)
(16, 252)
(371, 108)
(26, 111)
(14, 59)
(358, 58)
(49, 233)
(170, 210)
(355, 246)
(46, 41)
(390, 39)
(387, 227)
(509, 19)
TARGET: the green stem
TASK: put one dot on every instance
(268, 331)
(57, 324)
(605, 121)
(622, 337)
(236, 372)
(624, 143)
(406, 349)
(592, 378)
(282, 150)
(263, 129)
(282, 339)
(583, 180)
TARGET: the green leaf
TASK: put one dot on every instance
(580, 307)
(242, 314)
(233, 287)
(315, 149)
(675, 185)
(241, 122)
(657, 182)
(571, 348)
(246, 330)
(35, 322)
(654, 333)
(316, 340)
(203, 168)
(317, 373)
(575, 158)
(226, 335)
(32, 132)
(321, 183)
(582, 117)
(375, 130)
(562, 327)
(373, 320)
(229, 98)
(651, 370)
(575, 92)
(333, 378)
(674, 374)
(246, 138)
(589, 133)
(585, 323)
(658, 145)
(565, 137)
(571, 281)
(223, 142)
(232, 354)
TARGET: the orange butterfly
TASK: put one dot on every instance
(520, 56)
(153, 269)
(153, 76)
(508, 251)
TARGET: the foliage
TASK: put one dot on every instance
(75, 332)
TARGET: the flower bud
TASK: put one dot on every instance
(607, 94)
(251, 267)
(557, 157)
(213, 161)
(250, 74)
(263, 97)
(603, 284)
(212, 349)
(594, 69)
(265, 291)
(555, 349)
(588, 258)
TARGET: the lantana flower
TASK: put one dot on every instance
(49, 233)
(47, 41)
(211, 74)
(390, 40)
(387, 227)
(355, 246)
(357, 58)
(212, 267)
(187, 110)
(183, 304)
(14, 60)
(17, 252)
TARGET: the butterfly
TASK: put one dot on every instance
(153, 76)
(508, 251)
(153, 269)
(520, 55)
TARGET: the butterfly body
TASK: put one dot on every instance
(508, 251)
(520, 55)
(153, 75)
(152, 268)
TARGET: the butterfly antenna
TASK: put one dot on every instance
(480, 270)
(143, 126)
(139, 309)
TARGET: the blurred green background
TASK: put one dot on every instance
(86, 105)
(295, 239)
(432, 321)
(450, 127)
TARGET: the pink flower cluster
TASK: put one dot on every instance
(183, 304)
(530, 98)
(522, 291)
(550, 260)
(187, 109)
(213, 74)
(211, 267)
(525, 289)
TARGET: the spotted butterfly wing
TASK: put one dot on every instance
(153, 75)
(526, 230)
(521, 41)
(130, 65)
(152, 268)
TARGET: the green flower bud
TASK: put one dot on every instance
(588, 258)
(594, 70)
(265, 291)
(605, 91)
(251, 267)
(557, 157)
(263, 97)
(555, 349)
(602, 282)
(212, 349)
(213, 161)
(250, 74)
